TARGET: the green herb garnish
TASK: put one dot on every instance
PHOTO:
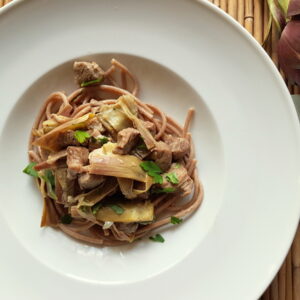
(175, 220)
(172, 177)
(164, 190)
(96, 208)
(85, 209)
(48, 177)
(157, 238)
(30, 170)
(152, 170)
(177, 165)
(81, 136)
(145, 223)
(150, 166)
(156, 177)
(142, 146)
(117, 209)
(66, 219)
(103, 140)
(87, 83)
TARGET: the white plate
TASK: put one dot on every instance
(185, 53)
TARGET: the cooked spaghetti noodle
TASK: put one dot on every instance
(111, 168)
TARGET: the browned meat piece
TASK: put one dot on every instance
(64, 185)
(71, 174)
(140, 153)
(67, 138)
(89, 181)
(126, 140)
(185, 183)
(162, 155)
(86, 71)
(150, 126)
(77, 157)
(179, 146)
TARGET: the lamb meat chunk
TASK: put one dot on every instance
(162, 155)
(64, 186)
(88, 181)
(86, 71)
(77, 157)
(66, 139)
(179, 146)
(185, 183)
(126, 140)
(71, 175)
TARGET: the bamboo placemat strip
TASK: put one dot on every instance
(241, 11)
(232, 8)
(254, 16)
(282, 282)
(296, 266)
(258, 20)
(249, 17)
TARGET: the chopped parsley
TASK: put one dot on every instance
(152, 170)
(117, 209)
(81, 136)
(96, 208)
(172, 177)
(157, 238)
(87, 83)
(177, 165)
(164, 190)
(48, 177)
(85, 209)
(150, 166)
(175, 220)
(142, 146)
(30, 170)
(156, 177)
(103, 140)
(66, 219)
(100, 140)
(45, 175)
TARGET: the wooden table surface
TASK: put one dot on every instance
(254, 16)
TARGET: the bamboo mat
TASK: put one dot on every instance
(254, 16)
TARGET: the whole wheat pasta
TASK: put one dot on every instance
(85, 122)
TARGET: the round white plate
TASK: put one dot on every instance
(185, 53)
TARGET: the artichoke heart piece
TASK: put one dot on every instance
(128, 190)
(99, 193)
(114, 119)
(133, 212)
(126, 102)
(104, 162)
(50, 142)
(124, 114)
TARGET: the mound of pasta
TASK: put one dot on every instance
(111, 168)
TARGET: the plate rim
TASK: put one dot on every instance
(9, 8)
